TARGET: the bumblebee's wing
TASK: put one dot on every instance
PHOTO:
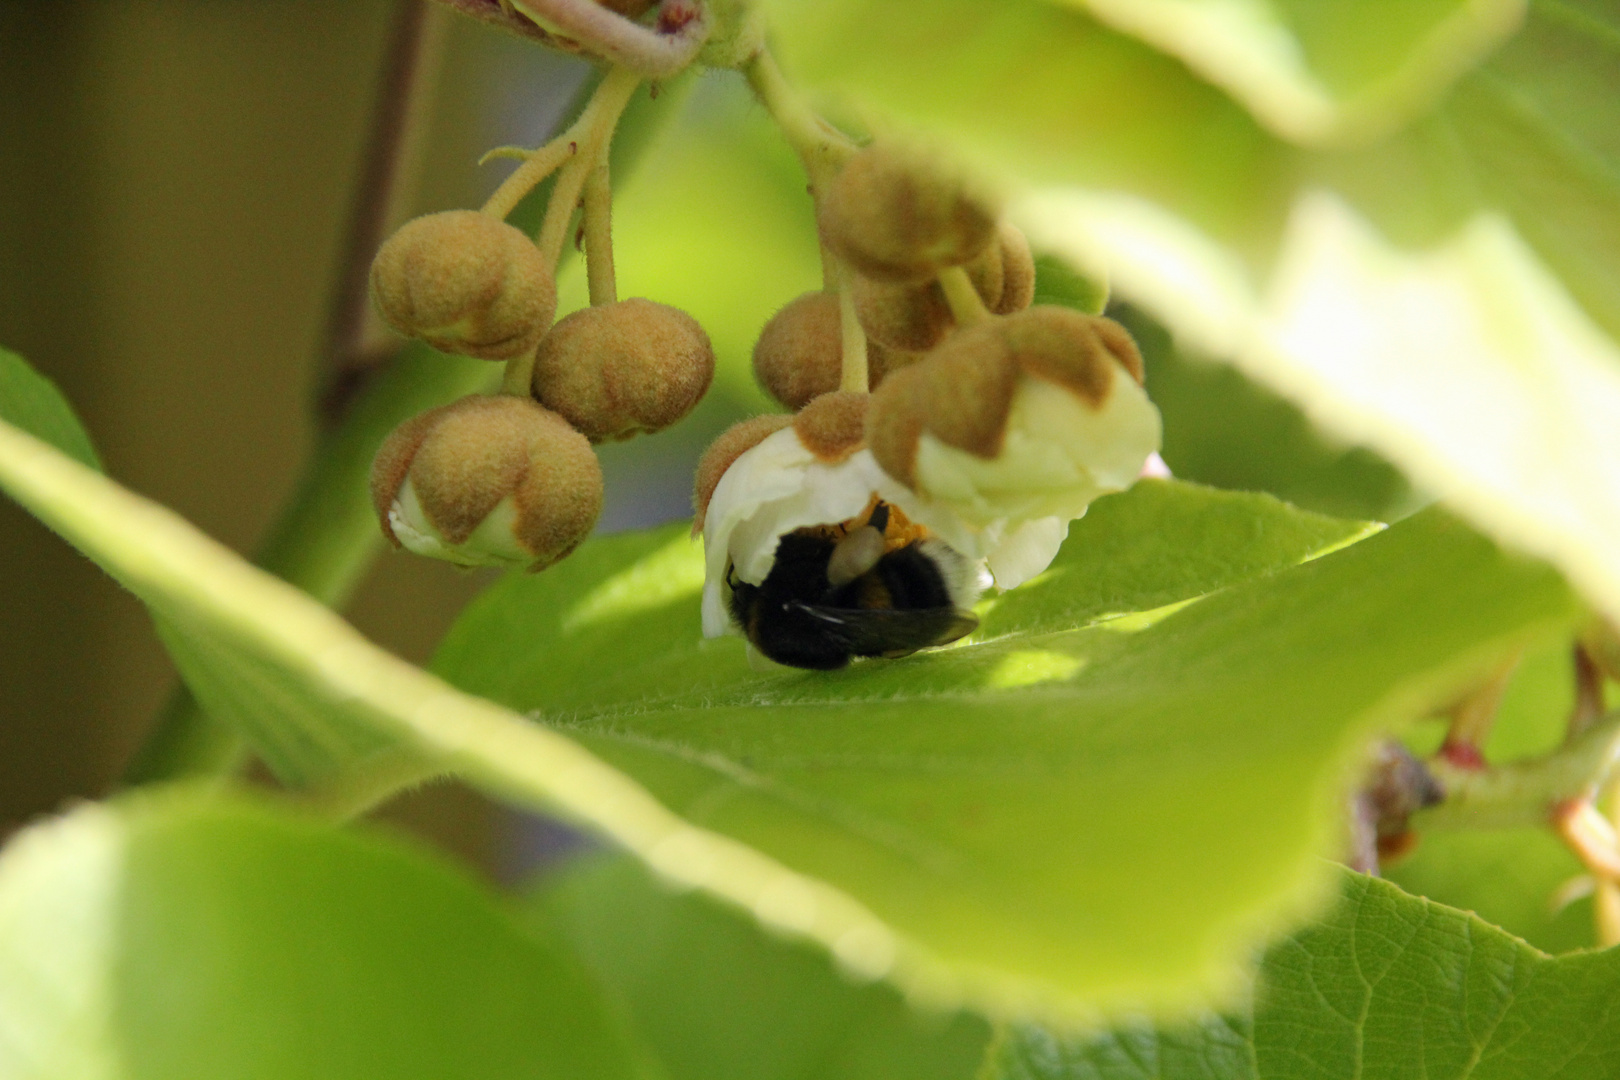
(888, 631)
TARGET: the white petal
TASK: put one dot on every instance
(493, 543)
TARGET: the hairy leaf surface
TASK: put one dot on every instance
(1388, 985)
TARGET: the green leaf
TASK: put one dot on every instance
(1387, 985)
(32, 402)
(1132, 553)
(177, 936)
(940, 820)
(716, 999)
(1445, 296)
(1321, 70)
(976, 798)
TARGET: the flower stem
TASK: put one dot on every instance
(967, 307)
(599, 235)
(821, 147)
(596, 125)
(853, 374)
(1473, 717)
(1525, 792)
(537, 165)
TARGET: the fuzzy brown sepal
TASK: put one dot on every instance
(620, 369)
(833, 426)
(962, 392)
(465, 283)
(1073, 349)
(732, 444)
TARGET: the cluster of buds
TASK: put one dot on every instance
(988, 427)
(512, 479)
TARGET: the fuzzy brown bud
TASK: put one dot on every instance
(799, 354)
(619, 369)
(487, 481)
(896, 213)
(465, 283)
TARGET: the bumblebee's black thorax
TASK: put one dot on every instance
(796, 616)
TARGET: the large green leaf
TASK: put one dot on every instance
(1446, 296)
(1321, 70)
(977, 799)
(940, 819)
(1388, 986)
(175, 936)
(713, 998)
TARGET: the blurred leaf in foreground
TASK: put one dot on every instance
(181, 935)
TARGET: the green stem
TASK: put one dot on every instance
(822, 147)
(853, 373)
(1524, 792)
(967, 306)
(599, 273)
(601, 116)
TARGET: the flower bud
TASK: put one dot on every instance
(1026, 417)
(619, 369)
(487, 481)
(799, 354)
(895, 213)
(465, 283)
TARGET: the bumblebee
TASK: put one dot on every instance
(873, 586)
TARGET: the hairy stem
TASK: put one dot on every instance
(854, 374)
(537, 165)
(1525, 792)
(821, 147)
(599, 235)
(596, 123)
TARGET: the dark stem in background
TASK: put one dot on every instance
(356, 343)
(184, 740)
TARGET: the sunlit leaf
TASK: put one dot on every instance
(1445, 296)
(978, 798)
(940, 820)
(1387, 985)
(1321, 70)
(714, 998)
(186, 935)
